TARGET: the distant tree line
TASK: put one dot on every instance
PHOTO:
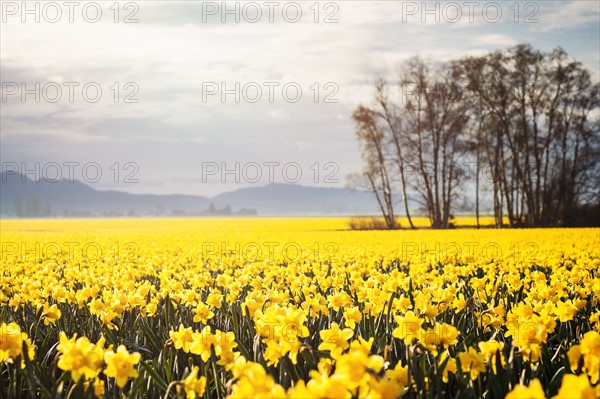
(30, 207)
(526, 121)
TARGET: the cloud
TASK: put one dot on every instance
(496, 40)
(170, 53)
(567, 15)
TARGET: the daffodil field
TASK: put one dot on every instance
(296, 308)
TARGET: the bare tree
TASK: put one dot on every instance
(531, 119)
(376, 173)
(389, 113)
(434, 119)
(472, 69)
(538, 138)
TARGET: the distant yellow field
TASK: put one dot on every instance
(295, 307)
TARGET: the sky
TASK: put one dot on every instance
(204, 97)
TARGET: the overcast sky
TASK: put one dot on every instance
(166, 71)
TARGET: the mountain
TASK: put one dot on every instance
(21, 196)
(293, 199)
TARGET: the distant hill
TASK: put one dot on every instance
(293, 199)
(63, 198)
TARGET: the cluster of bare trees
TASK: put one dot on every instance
(519, 124)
